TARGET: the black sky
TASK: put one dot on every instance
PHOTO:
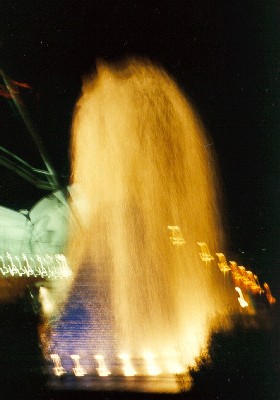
(224, 55)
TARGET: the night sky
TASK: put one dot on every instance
(224, 55)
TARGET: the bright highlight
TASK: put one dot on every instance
(147, 194)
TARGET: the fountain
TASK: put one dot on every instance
(147, 195)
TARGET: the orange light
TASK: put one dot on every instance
(271, 299)
(176, 235)
(205, 254)
(223, 265)
(241, 299)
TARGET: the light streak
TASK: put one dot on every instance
(102, 370)
(222, 264)
(205, 253)
(152, 368)
(12, 268)
(21, 84)
(10, 92)
(253, 283)
(13, 91)
(172, 364)
(4, 270)
(4, 93)
(77, 369)
(128, 369)
(44, 298)
(176, 235)
(241, 299)
(246, 279)
(58, 368)
(271, 299)
(52, 267)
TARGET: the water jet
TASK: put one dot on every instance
(143, 171)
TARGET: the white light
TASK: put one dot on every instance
(102, 370)
(58, 369)
(152, 368)
(172, 364)
(44, 297)
(241, 299)
(128, 369)
(45, 266)
(77, 369)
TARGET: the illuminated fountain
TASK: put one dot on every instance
(143, 300)
(142, 167)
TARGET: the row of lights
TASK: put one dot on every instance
(239, 273)
(152, 369)
(51, 267)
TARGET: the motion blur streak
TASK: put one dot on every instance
(141, 164)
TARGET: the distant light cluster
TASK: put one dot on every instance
(43, 266)
(241, 277)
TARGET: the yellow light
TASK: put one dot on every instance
(152, 368)
(46, 303)
(58, 369)
(174, 367)
(223, 265)
(176, 235)
(77, 369)
(205, 254)
(102, 370)
(128, 369)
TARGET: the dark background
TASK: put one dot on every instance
(223, 54)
